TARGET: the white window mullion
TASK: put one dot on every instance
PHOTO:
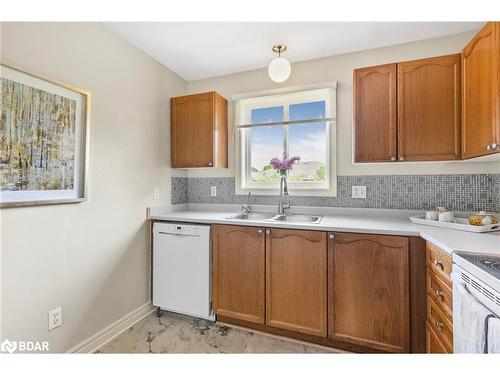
(286, 117)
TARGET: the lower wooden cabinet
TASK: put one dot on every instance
(238, 272)
(296, 280)
(439, 337)
(369, 291)
(434, 345)
(350, 291)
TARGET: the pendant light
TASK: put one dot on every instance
(279, 69)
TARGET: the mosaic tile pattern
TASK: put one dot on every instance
(179, 190)
(458, 192)
(496, 191)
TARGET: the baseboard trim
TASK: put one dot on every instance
(107, 334)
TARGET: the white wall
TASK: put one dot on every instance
(339, 68)
(90, 258)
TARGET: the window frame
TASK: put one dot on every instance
(284, 97)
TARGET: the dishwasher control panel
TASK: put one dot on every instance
(181, 229)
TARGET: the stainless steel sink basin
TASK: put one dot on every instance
(310, 219)
(252, 216)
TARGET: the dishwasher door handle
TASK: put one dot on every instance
(180, 234)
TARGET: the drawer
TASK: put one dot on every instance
(439, 262)
(440, 293)
(433, 343)
(441, 325)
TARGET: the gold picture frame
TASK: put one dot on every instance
(80, 151)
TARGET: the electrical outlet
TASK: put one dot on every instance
(55, 318)
(156, 193)
(359, 192)
(213, 191)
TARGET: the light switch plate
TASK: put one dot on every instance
(213, 191)
(359, 192)
(156, 193)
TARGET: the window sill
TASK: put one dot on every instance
(327, 192)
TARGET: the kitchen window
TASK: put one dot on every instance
(297, 123)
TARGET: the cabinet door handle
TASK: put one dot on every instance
(393, 158)
(494, 146)
(260, 231)
(438, 263)
(439, 324)
(268, 231)
(331, 236)
(401, 158)
(210, 163)
(488, 147)
(439, 293)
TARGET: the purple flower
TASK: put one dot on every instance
(284, 165)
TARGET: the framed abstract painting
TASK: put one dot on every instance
(44, 140)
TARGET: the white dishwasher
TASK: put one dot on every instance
(181, 269)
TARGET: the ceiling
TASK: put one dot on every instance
(196, 50)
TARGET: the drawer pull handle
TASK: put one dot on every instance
(260, 231)
(439, 325)
(439, 293)
(438, 263)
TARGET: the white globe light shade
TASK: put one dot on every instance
(279, 69)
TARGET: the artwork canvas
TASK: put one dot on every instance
(42, 140)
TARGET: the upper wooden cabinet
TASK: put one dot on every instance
(429, 109)
(296, 281)
(375, 113)
(368, 291)
(239, 272)
(408, 111)
(199, 131)
(481, 93)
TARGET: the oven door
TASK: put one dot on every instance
(472, 308)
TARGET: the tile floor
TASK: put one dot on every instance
(172, 333)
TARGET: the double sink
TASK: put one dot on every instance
(292, 218)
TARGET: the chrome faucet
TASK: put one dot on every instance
(282, 206)
(246, 207)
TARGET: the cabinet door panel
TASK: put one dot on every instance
(481, 92)
(375, 113)
(192, 129)
(368, 298)
(296, 281)
(239, 272)
(434, 345)
(429, 109)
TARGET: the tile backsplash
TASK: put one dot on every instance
(179, 190)
(458, 192)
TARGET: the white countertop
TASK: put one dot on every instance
(391, 222)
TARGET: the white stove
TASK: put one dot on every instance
(476, 275)
(484, 270)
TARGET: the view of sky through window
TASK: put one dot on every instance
(307, 141)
